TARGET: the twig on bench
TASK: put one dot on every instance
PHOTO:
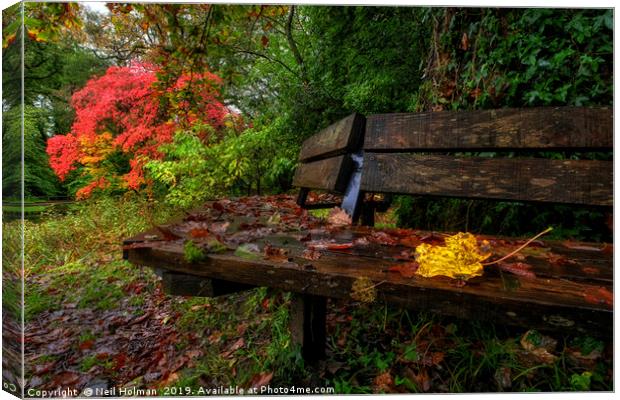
(520, 248)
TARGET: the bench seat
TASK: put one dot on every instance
(567, 286)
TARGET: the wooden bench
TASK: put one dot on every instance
(568, 286)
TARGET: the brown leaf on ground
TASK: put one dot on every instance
(464, 42)
(434, 358)
(423, 380)
(584, 361)
(339, 217)
(537, 348)
(383, 383)
(173, 377)
(260, 380)
(235, 346)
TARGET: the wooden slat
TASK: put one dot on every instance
(527, 128)
(328, 174)
(562, 181)
(547, 304)
(179, 284)
(344, 136)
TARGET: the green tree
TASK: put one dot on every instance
(39, 179)
(52, 71)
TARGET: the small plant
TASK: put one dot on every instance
(193, 253)
(581, 382)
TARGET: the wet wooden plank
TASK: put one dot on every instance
(492, 130)
(545, 304)
(179, 284)
(560, 181)
(329, 174)
(344, 136)
(581, 261)
(551, 261)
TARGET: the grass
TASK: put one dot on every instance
(76, 259)
(27, 209)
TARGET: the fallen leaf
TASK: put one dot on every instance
(364, 290)
(339, 217)
(310, 254)
(87, 344)
(537, 348)
(215, 337)
(274, 219)
(119, 361)
(599, 295)
(383, 383)
(423, 380)
(235, 346)
(275, 253)
(173, 377)
(460, 258)
(260, 380)
(518, 268)
(200, 233)
(437, 357)
(464, 41)
(383, 238)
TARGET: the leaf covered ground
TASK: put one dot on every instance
(94, 320)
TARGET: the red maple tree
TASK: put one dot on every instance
(126, 111)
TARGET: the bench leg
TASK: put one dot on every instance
(307, 323)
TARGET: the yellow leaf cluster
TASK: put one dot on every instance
(363, 289)
(460, 258)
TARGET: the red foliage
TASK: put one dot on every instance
(125, 104)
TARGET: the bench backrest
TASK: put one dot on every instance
(325, 158)
(414, 153)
